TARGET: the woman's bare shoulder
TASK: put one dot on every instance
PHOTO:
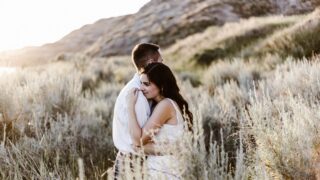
(162, 112)
(165, 104)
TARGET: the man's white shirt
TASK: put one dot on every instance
(120, 127)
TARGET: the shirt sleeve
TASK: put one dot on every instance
(142, 109)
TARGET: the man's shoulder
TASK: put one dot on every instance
(128, 85)
(131, 84)
(124, 91)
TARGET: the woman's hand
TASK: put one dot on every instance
(132, 97)
(136, 148)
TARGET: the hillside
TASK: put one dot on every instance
(285, 36)
(159, 21)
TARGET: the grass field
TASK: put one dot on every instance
(253, 86)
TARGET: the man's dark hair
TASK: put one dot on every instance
(143, 52)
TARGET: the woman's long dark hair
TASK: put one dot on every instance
(163, 78)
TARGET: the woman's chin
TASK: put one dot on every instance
(149, 98)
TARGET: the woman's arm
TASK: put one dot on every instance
(161, 114)
(154, 149)
(148, 149)
(134, 127)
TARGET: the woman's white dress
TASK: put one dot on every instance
(166, 166)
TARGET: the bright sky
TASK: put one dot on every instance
(36, 22)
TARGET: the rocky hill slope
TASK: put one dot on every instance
(159, 21)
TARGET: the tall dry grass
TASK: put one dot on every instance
(255, 118)
(245, 127)
(48, 122)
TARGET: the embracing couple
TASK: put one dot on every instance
(148, 116)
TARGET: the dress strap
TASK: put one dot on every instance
(177, 109)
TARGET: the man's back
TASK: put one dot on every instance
(120, 130)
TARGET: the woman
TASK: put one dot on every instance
(166, 123)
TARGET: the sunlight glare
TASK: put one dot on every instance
(36, 22)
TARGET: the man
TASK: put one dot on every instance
(142, 55)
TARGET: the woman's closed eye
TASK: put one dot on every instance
(145, 83)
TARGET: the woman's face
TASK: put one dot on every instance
(149, 89)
